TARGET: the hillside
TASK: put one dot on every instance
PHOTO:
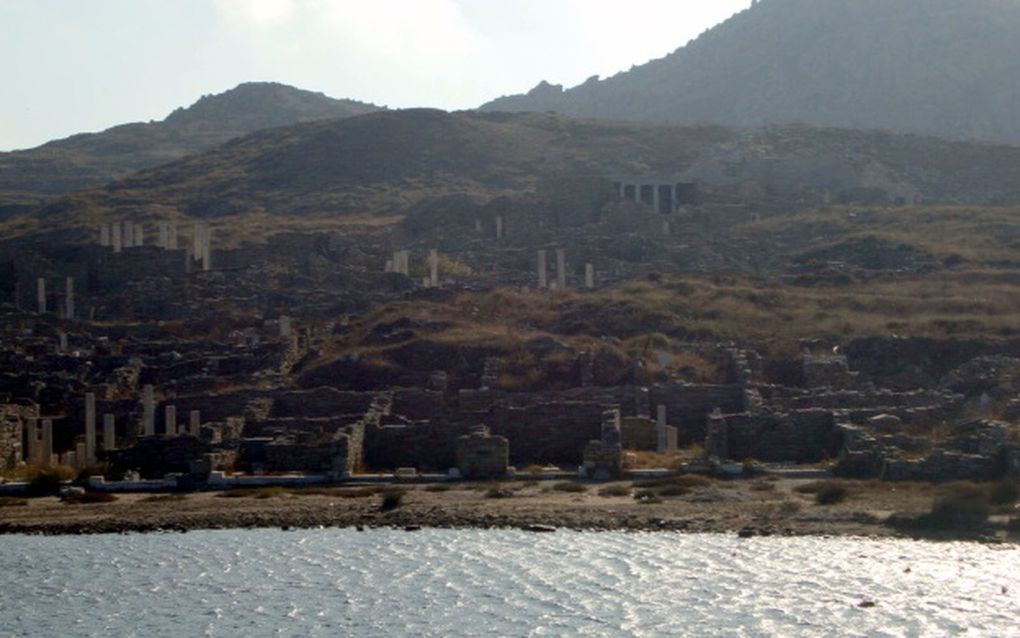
(935, 67)
(385, 164)
(91, 159)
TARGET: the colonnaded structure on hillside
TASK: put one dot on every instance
(664, 194)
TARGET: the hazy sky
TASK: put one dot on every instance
(70, 66)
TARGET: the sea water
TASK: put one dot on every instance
(446, 583)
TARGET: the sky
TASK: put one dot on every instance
(70, 66)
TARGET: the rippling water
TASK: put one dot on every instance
(501, 583)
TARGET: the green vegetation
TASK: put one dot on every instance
(615, 490)
(574, 488)
(826, 492)
(89, 498)
(46, 480)
(392, 499)
(254, 492)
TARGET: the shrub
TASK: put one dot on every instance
(254, 492)
(498, 493)
(647, 497)
(789, 508)
(826, 492)
(615, 490)
(567, 486)
(438, 487)
(392, 499)
(89, 498)
(11, 501)
(763, 486)
(1004, 493)
(964, 507)
(831, 493)
(47, 481)
(163, 498)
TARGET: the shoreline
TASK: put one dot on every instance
(747, 508)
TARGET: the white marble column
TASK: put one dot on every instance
(109, 433)
(589, 276)
(148, 411)
(194, 423)
(69, 298)
(561, 269)
(542, 274)
(660, 429)
(40, 295)
(90, 428)
(434, 268)
(170, 420)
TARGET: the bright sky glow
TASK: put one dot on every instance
(71, 66)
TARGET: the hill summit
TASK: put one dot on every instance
(937, 67)
(91, 159)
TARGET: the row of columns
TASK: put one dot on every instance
(67, 311)
(128, 234)
(561, 270)
(401, 264)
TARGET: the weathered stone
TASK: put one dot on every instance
(481, 455)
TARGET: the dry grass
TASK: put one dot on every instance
(643, 460)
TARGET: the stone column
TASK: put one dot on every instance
(434, 268)
(171, 236)
(194, 423)
(561, 269)
(542, 276)
(206, 255)
(589, 276)
(660, 429)
(655, 197)
(104, 235)
(666, 229)
(170, 420)
(62, 342)
(69, 298)
(139, 235)
(148, 411)
(127, 235)
(40, 295)
(163, 240)
(478, 226)
(196, 240)
(109, 433)
(47, 442)
(115, 237)
(285, 326)
(90, 428)
(499, 227)
(31, 442)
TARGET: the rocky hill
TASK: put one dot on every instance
(91, 159)
(936, 67)
(384, 165)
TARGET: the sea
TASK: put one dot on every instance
(446, 583)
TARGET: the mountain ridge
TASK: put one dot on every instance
(930, 67)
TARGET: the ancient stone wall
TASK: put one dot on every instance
(481, 455)
(804, 437)
(426, 445)
(11, 431)
(554, 432)
(321, 402)
(689, 404)
(639, 433)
